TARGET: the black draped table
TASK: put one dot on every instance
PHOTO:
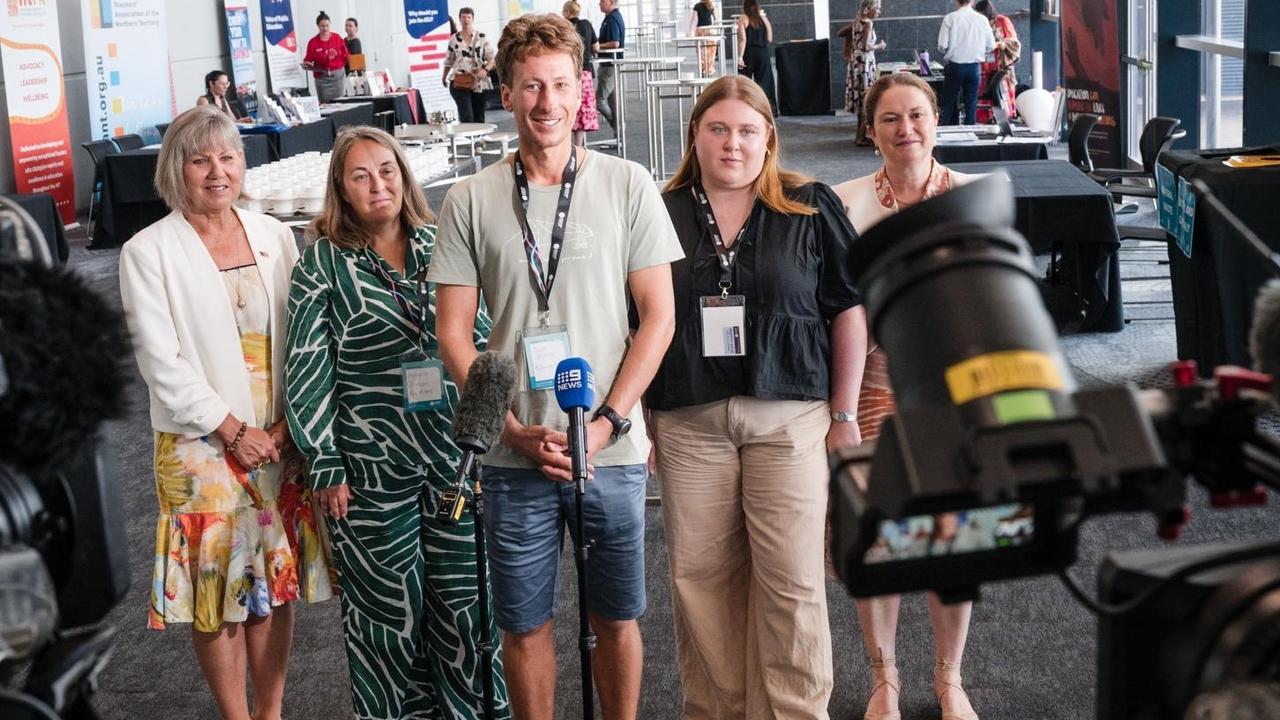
(989, 151)
(407, 105)
(804, 72)
(1060, 207)
(44, 211)
(308, 137)
(1214, 289)
(352, 114)
(257, 151)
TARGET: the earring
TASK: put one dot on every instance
(877, 152)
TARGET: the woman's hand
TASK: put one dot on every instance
(256, 448)
(334, 500)
(481, 74)
(280, 436)
(843, 434)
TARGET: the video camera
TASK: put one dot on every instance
(995, 456)
(63, 558)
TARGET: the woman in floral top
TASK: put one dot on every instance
(860, 51)
(467, 68)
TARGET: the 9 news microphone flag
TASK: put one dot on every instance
(37, 100)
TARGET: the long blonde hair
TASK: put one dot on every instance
(338, 221)
(772, 182)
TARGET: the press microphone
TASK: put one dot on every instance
(477, 423)
(576, 393)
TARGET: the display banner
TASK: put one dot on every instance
(427, 24)
(1091, 73)
(126, 60)
(284, 64)
(240, 41)
(37, 101)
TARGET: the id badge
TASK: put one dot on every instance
(423, 382)
(724, 322)
(544, 348)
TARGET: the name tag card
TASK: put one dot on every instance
(724, 322)
(544, 348)
(423, 382)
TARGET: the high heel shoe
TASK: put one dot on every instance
(884, 674)
(941, 672)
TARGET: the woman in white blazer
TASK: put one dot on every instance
(902, 121)
(205, 293)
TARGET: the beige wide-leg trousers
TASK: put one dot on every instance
(744, 499)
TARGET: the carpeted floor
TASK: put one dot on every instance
(1031, 648)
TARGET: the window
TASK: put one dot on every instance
(1222, 78)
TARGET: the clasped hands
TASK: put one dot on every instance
(549, 448)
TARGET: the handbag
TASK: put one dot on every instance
(463, 81)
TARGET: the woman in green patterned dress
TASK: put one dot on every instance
(361, 327)
(205, 293)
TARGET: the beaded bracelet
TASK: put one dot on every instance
(239, 434)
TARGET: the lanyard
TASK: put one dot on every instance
(417, 316)
(544, 279)
(728, 256)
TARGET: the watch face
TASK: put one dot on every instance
(623, 428)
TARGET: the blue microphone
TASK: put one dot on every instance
(576, 394)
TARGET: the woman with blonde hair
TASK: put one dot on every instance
(588, 118)
(761, 379)
(361, 324)
(902, 121)
(204, 292)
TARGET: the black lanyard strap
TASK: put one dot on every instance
(416, 313)
(728, 255)
(544, 279)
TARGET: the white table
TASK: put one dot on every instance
(698, 41)
(469, 133)
(678, 89)
(645, 67)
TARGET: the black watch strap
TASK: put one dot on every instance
(621, 425)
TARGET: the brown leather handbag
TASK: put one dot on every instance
(463, 81)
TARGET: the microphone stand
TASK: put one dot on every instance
(586, 638)
(486, 645)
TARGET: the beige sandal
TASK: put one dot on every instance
(946, 666)
(884, 673)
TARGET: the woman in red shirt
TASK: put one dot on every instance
(327, 59)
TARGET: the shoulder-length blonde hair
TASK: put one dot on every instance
(773, 182)
(195, 131)
(339, 221)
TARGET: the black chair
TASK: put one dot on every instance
(129, 142)
(1078, 141)
(1157, 135)
(97, 149)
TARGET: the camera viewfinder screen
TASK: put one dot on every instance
(965, 531)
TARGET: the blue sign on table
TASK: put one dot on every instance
(1186, 220)
(1166, 199)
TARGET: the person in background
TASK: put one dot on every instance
(860, 46)
(998, 81)
(352, 41)
(560, 290)
(902, 121)
(359, 314)
(742, 431)
(965, 38)
(613, 36)
(216, 84)
(700, 22)
(755, 33)
(205, 294)
(588, 118)
(467, 68)
(326, 58)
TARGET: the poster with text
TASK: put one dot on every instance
(284, 63)
(239, 39)
(126, 60)
(1091, 72)
(427, 24)
(36, 97)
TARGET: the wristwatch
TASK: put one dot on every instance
(621, 425)
(841, 416)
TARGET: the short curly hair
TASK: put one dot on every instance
(534, 35)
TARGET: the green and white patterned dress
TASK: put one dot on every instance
(409, 601)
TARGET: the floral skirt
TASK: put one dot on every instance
(231, 542)
(588, 117)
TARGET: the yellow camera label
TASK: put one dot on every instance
(997, 372)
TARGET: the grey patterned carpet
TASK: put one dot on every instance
(1031, 650)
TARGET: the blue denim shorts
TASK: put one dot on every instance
(525, 518)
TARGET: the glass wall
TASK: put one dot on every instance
(1222, 78)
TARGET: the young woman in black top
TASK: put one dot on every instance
(700, 22)
(755, 34)
(768, 351)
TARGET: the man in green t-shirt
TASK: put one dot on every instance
(556, 241)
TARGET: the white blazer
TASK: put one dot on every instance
(184, 334)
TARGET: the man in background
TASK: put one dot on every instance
(965, 39)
